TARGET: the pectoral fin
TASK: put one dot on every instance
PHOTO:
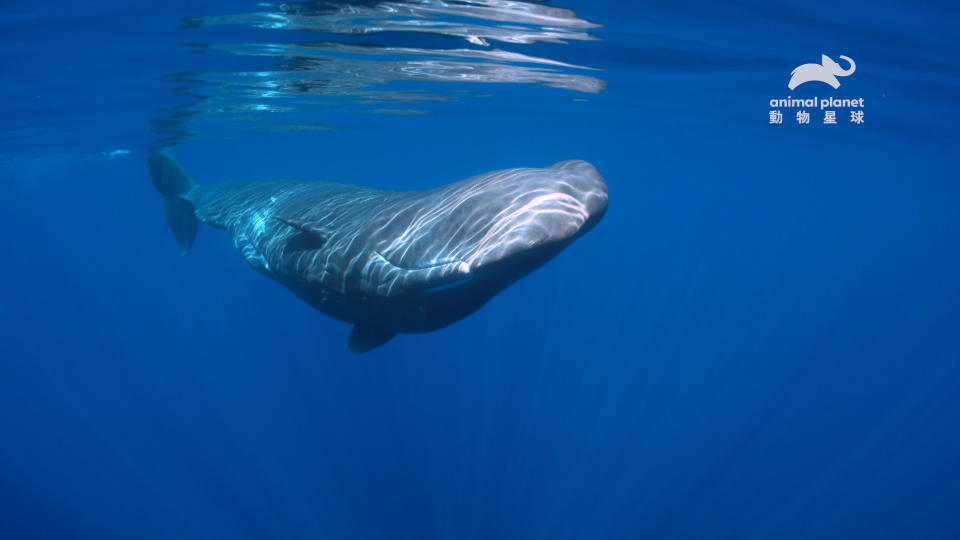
(303, 227)
(364, 338)
(309, 238)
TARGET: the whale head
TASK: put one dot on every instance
(478, 236)
(530, 215)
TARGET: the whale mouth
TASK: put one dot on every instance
(457, 264)
(452, 285)
(426, 277)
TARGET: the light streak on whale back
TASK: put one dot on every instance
(391, 261)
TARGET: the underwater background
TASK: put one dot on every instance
(761, 339)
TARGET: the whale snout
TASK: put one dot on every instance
(546, 212)
(500, 226)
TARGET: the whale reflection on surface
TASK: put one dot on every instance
(321, 68)
(289, 84)
(541, 23)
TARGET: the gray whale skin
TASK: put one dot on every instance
(390, 261)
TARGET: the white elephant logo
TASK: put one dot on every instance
(827, 71)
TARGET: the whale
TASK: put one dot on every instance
(386, 261)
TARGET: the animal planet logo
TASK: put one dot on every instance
(826, 72)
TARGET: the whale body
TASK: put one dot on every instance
(389, 261)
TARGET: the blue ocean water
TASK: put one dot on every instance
(759, 340)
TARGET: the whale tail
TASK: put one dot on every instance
(173, 183)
